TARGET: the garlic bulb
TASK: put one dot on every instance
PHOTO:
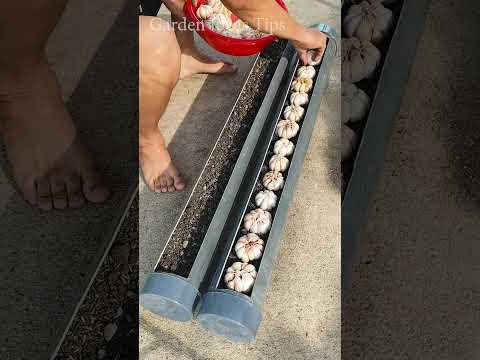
(216, 5)
(257, 221)
(240, 277)
(204, 12)
(283, 147)
(302, 85)
(299, 98)
(359, 59)
(273, 180)
(278, 163)
(287, 129)
(293, 112)
(219, 23)
(266, 200)
(369, 21)
(355, 103)
(307, 72)
(349, 142)
(249, 247)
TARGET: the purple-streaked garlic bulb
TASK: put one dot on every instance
(258, 221)
(249, 247)
(266, 200)
(355, 103)
(299, 98)
(240, 277)
(306, 72)
(278, 163)
(287, 129)
(349, 142)
(302, 85)
(273, 180)
(283, 147)
(360, 59)
(205, 12)
(293, 112)
(369, 21)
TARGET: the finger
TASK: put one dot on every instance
(29, 191)
(303, 57)
(59, 193)
(74, 192)
(44, 196)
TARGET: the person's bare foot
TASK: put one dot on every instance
(194, 62)
(158, 170)
(51, 167)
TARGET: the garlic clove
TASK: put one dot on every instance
(204, 12)
(244, 276)
(249, 247)
(349, 142)
(258, 221)
(293, 112)
(355, 103)
(266, 200)
(278, 163)
(302, 85)
(283, 147)
(299, 98)
(273, 181)
(287, 129)
(307, 72)
(360, 59)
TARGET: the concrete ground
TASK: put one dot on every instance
(48, 259)
(415, 289)
(302, 309)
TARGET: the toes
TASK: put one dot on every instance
(157, 187)
(59, 193)
(220, 68)
(44, 196)
(163, 184)
(170, 187)
(29, 191)
(94, 187)
(178, 182)
(74, 192)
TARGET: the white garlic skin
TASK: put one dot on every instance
(302, 85)
(278, 163)
(360, 59)
(216, 5)
(219, 23)
(355, 103)
(306, 72)
(369, 21)
(273, 180)
(204, 12)
(283, 147)
(293, 112)
(257, 221)
(249, 247)
(299, 98)
(349, 142)
(287, 129)
(240, 277)
(266, 200)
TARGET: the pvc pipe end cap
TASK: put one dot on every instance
(170, 296)
(231, 315)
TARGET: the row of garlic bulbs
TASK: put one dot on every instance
(241, 275)
(219, 19)
(366, 26)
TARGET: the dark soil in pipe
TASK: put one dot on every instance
(370, 85)
(177, 258)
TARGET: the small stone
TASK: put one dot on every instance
(109, 331)
(181, 253)
(185, 244)
(119, 313)
(101, 354)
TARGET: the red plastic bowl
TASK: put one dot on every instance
(225, 44)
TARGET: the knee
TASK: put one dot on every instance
(159, 56)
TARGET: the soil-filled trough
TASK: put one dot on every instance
(172, 290)
(236, 314)
(385, 89)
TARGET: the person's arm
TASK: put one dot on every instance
(269, 17)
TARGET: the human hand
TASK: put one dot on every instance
(313, 40)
